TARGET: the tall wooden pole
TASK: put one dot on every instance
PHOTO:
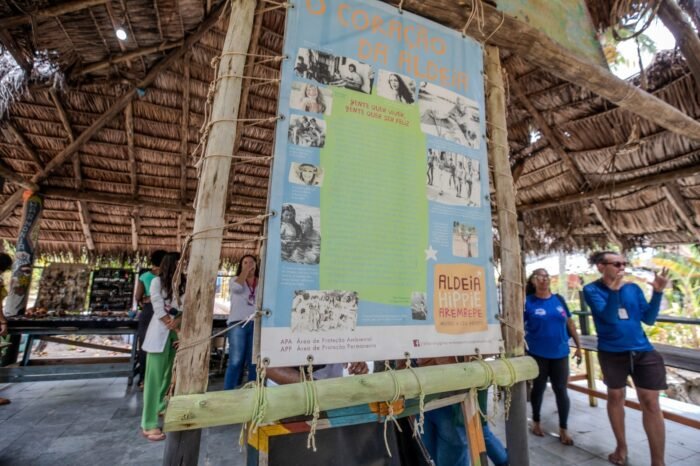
(182, 448)
(511, 271)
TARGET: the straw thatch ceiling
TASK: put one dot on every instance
(135, 177)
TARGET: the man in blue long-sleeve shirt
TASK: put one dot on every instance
(624, 350)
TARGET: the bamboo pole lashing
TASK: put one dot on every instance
(285, 401)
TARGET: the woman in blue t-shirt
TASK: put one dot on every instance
(548, 326)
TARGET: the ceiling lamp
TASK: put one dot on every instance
(121, 34)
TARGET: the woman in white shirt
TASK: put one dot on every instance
(240, 339)
(160, 344)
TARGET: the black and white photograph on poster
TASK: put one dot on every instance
(306, 174)
(465, 241)
(453, 179)
(307, 131)
(396, 87)
(419, 311)
(311, 98)
(300, 234)
(321, 311)
(327, 69)
(449, 116)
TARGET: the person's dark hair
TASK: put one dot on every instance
(157, 257)
(239, 266)
(403, 90)
(529, 286)
(352, 67)
(168, 266)
(598, 257)
(5, 262)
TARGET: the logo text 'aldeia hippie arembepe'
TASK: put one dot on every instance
(459, 298)
(416, 42)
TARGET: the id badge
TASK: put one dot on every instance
(622, 314)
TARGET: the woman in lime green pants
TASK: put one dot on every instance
(160, 344)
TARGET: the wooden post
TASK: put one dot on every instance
(210, 207)
(512, 296)
(686, 37)
(27, 241)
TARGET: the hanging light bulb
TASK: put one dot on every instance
(121, 33)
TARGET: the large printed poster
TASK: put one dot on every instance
(382, 244)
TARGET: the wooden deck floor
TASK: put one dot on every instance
(87, 422)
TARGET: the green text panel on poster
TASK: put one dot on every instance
(372, 204)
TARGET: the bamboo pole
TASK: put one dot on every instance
(192, 371)
(512, 295)
(138, 53)
(285, 401)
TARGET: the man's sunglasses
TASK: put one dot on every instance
(617, 265)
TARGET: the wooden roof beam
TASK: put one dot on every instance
(540, 50)
(608, 189)
(675, 198)
(24, 144)
(548, 133)
(106, 64)
(11, 175)
(131, 153)
(69, 152)
(604, 218)
(63, 116)
(48, 12)
(85, 222)
(20, 57)
(112, 199)
(686, 37)
(185, 130)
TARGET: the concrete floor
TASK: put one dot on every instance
(96, 422)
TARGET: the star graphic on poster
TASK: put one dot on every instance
(431, 253)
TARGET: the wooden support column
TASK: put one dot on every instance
(674, 196)
(686, 37)
(69, 152)
(135, 228)
(210, 207)
(512, 286)
(131, 153)
(85, 222)
(26, 146)
(27, 243)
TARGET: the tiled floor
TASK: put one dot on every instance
(96, 422)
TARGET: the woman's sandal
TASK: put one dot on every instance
(153, 436)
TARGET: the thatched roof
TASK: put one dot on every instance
(130, 173)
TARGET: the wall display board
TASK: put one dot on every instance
(63, 288)
(382, 241)
(112, 290)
